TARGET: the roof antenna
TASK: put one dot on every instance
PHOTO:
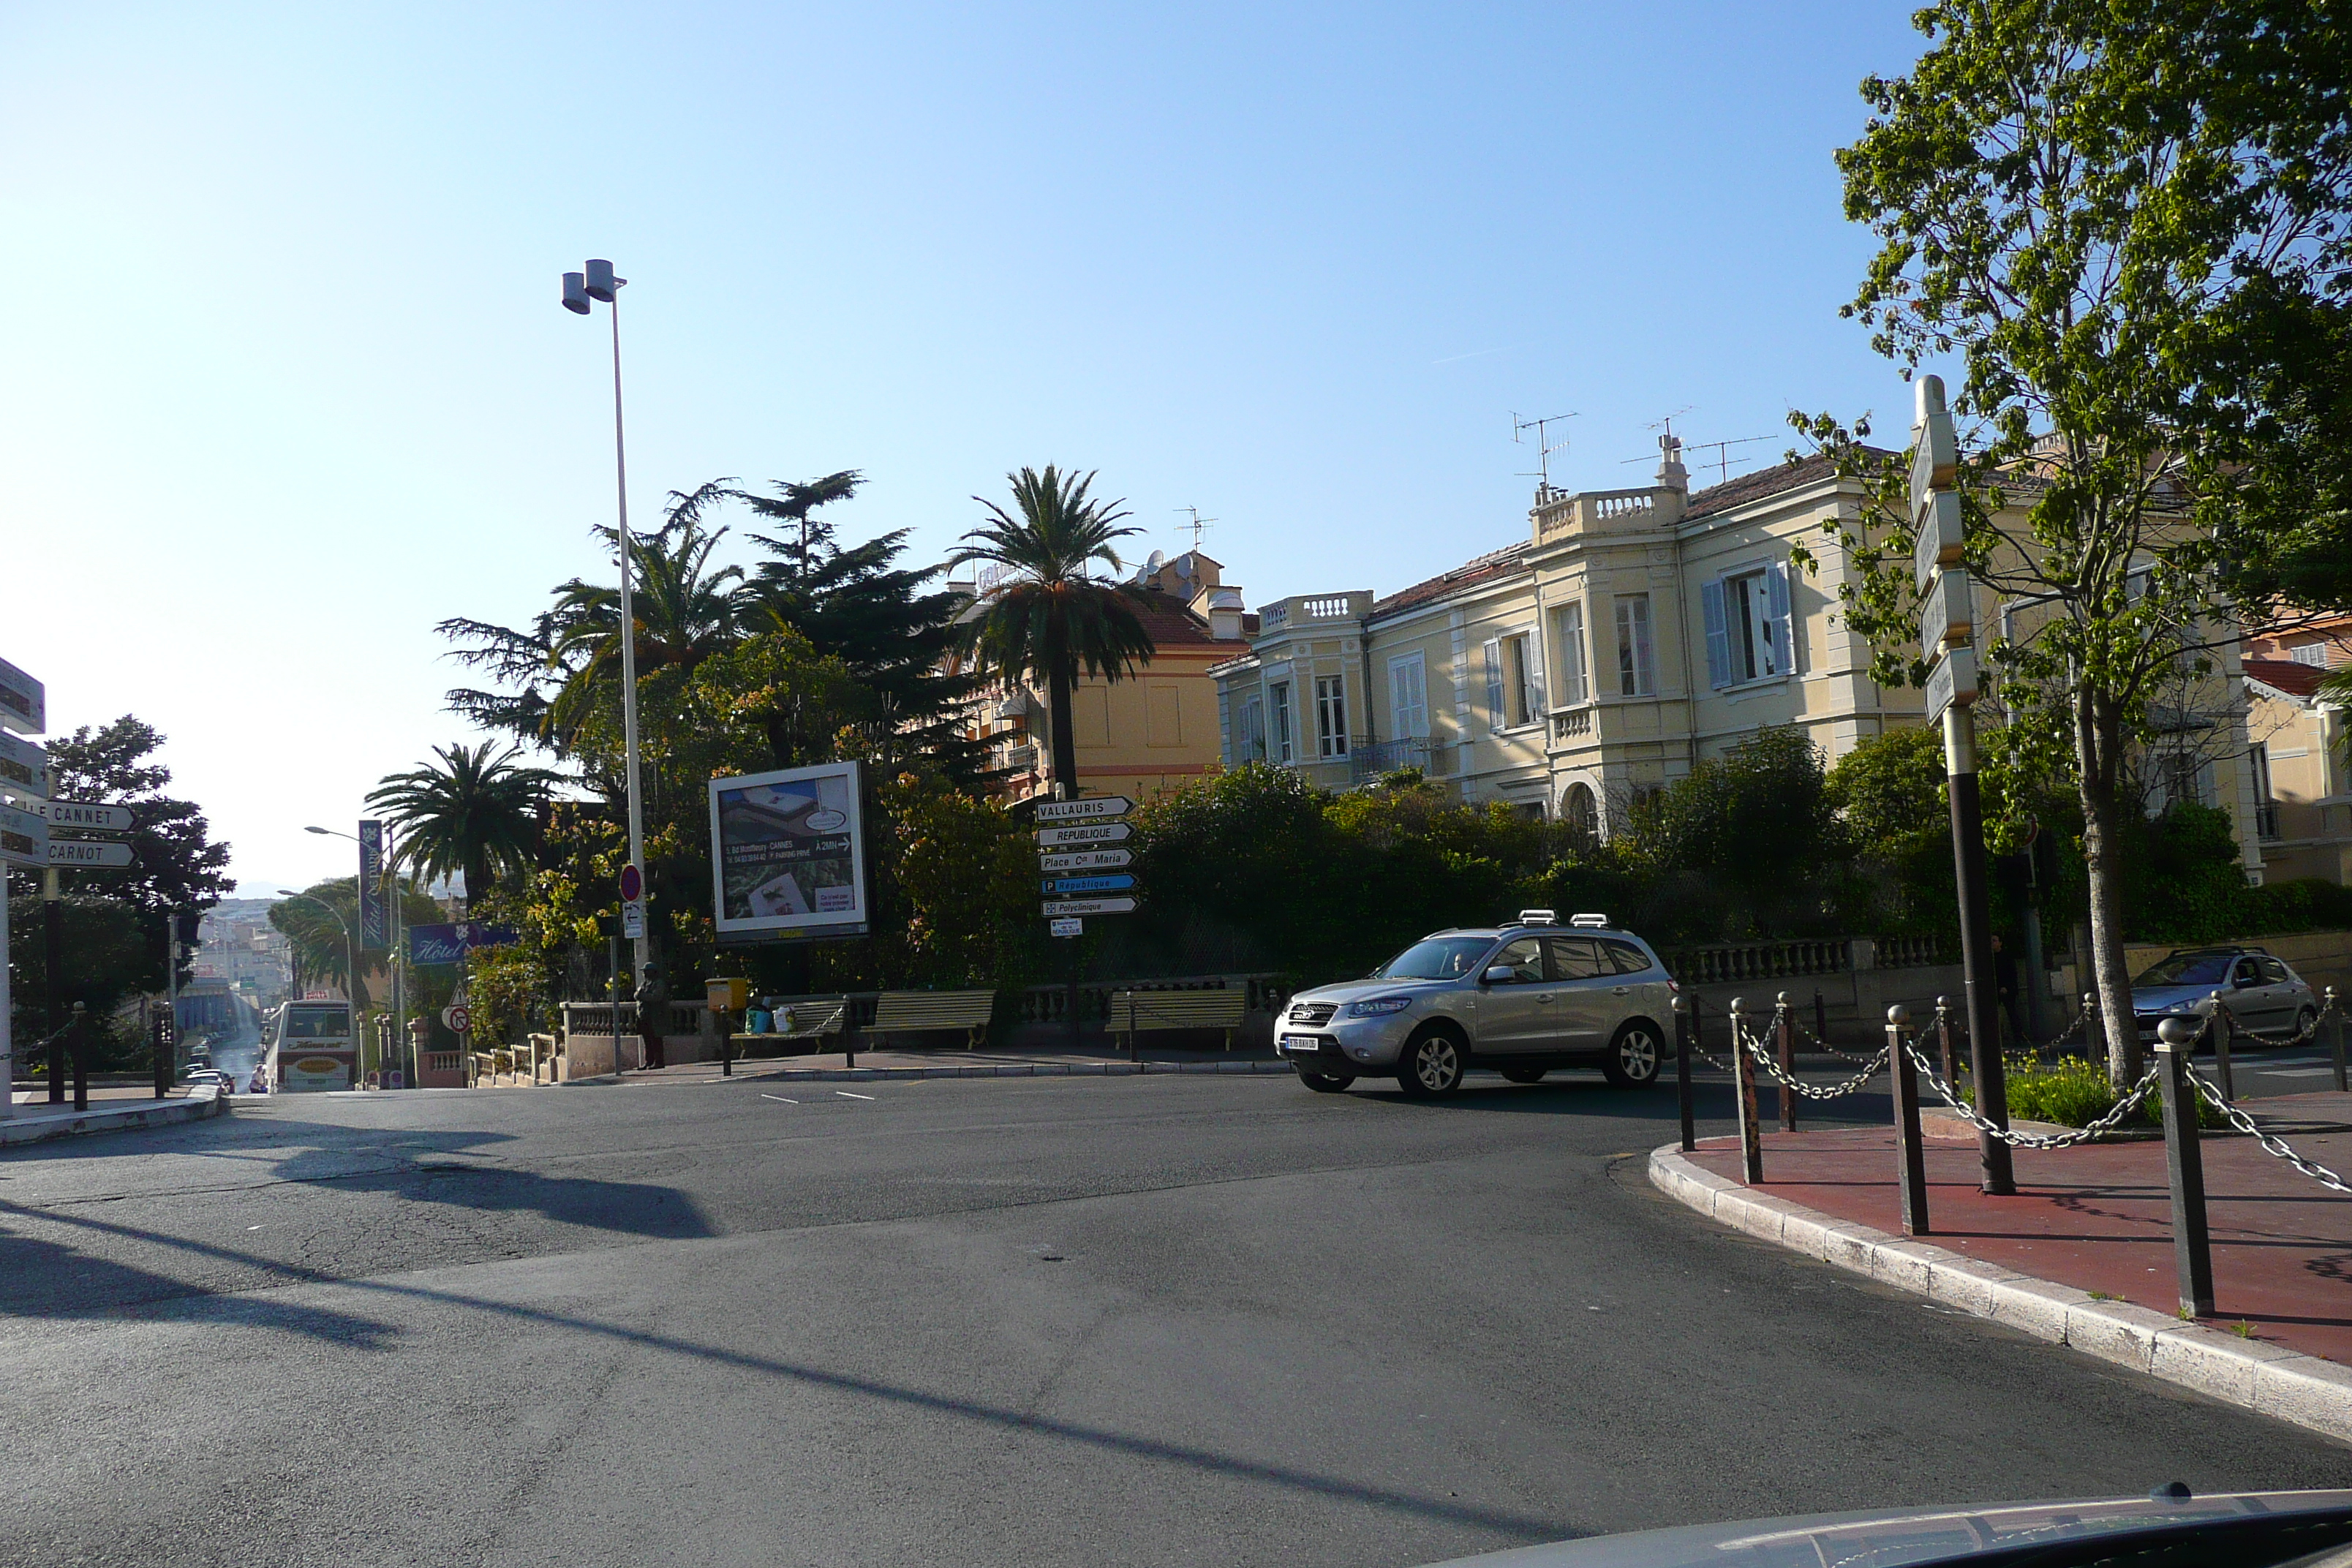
(1544, 450)
(1199, 525)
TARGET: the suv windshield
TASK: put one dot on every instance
(1435, 958)
(2189, 969)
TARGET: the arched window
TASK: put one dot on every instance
(1581, 812)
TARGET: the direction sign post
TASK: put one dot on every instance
(1089, 907)
(79, 814)
(89, 854)
(1084, 833)
(23, 768)
(24, 702)
(1098, 808)
(1946, 631)
(24, 837)
(1087, 860)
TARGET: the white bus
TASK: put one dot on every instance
(311, 1046)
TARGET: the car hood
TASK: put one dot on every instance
(1885, 1537)
(2163, 998)
(1353, 990)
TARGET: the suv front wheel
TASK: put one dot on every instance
(1433, 1066)
(1633, 1056)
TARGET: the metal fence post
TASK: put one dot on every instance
(2094, 1029)
(1821, 1018)
(1910, 1152)
(1784, 1026)
(1944, 1040)
(2222, 1048)
(80, 1027)
(1743, 1073)
(2192, 1253)
(1684, 1025)
(2336, 1037)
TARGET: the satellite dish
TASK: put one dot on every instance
(1158, 559)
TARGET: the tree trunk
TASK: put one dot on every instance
(2098, 747)
(1058, 681)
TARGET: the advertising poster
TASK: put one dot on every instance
(375, 898)
(788, 854)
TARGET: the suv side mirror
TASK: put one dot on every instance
(1500, 974)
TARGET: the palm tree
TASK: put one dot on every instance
(468, 813)
(1051, 618)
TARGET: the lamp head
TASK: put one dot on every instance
(602, 284)
(575, 294)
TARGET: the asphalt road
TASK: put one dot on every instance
(1033, 1321)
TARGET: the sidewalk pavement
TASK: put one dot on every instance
(2082, 1254)
(2098, 1217)
(1093, 1057)
(34, 1122)
(38, 1094)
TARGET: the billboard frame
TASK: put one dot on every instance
(806, 925)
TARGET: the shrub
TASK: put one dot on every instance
(2074, 1093)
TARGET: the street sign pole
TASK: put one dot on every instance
(53, 982)
(1949, 614)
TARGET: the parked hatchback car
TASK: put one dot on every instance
(1522, 998)
(2264, 996)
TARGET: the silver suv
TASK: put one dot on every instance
(1522, 998)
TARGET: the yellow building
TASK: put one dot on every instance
(1148, 733)
(2303, 775)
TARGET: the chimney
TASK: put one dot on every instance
(1671, 475)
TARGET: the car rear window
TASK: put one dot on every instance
(1628, 959)
(1577, 958)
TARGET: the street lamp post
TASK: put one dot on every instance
(579, 289)
(351, 948)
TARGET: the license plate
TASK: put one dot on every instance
(1301, 1042)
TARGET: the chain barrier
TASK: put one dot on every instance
(2272, 1145)
(1819, 1044)
(2123, 1108)
(1765, 1060)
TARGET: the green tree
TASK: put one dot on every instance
(111, 922)
(466, 813)
(1053, 617)
(890, 628)
(1754, 831)
(2104, 210)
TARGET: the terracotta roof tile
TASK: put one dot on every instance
(1509, 560)
(2286, 675)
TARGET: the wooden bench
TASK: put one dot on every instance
(911, 1012)
(1134, 1013)
(801, 1018)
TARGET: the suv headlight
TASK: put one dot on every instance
(1377, 1006)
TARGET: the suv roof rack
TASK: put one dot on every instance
(1589, 922)
(1537, 918)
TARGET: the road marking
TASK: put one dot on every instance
(2293, 1072)
(779, 1099)
(846, 1095)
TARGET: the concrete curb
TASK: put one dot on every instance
(202, 1101)
(2309, 1391)
(1017, 1069)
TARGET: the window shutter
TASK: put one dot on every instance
(1776, 614)
(1494, 651)
(1719, 635)
(1538, 679)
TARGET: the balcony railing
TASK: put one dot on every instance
(1368, 760)
(1571, 723)
(2266, 821)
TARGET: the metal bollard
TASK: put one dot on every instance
(2336, 1037)
(1743, 1073)
(1944, 1040)
(1820, 1017)
(1911, 1154)
(2094, 1029)
(1684, 1025)
(1784, 1019)
(2221, 1031)
(2184, 1160)
(81, 1025)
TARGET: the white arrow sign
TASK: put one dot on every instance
(24, 768)
(91, 854)
(80, 813)
(1086, 860)
(1083, 810)
(1090, 833)
(24, 702)
(1089, 907)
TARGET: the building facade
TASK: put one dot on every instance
(1146, 733)
(2302, 774)
(1631, 634)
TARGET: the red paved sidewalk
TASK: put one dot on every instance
(2098, 1217)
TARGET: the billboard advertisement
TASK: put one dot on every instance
(788, 854)
(451, 943)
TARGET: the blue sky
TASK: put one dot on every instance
(287, 380)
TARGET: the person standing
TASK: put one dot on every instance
(653, 1016)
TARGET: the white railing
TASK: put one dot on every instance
(1328, 607)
